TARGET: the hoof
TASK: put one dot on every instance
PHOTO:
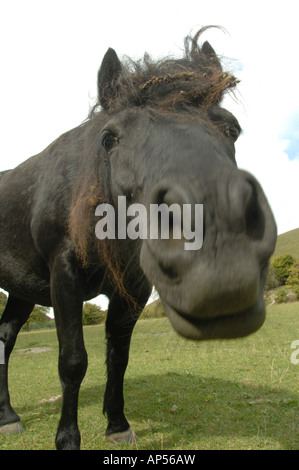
(12, 428)
(127, 436)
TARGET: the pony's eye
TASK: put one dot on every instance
(232, 131)
(109, 140)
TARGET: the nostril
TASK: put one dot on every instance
(239, 195)
(166, 227)
(246, 215)
(168, 195)
(171, 197)
(254, 217)
(159, 196)
(167, 204)
(169, 271)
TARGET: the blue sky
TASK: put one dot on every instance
(290, 136)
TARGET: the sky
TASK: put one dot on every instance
(51, 52)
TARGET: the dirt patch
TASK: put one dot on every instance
(51, 399)
(34, 350)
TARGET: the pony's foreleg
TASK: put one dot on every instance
(67, 302)
(119, 327)
(14, 316)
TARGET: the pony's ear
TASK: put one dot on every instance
(209, 52)
(107, 77)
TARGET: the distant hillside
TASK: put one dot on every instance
(288, 243)
(153, 310)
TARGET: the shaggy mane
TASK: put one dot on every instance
(197, 79)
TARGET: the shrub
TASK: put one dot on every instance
(293, 278)
(281, 296)
(282, 267)
(3, 300)
(153, 310)
(272, 280)
(295, 290)
(38, 318)
(92, 314)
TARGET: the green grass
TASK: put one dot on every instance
(238, 394)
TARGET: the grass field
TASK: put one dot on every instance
(238, 394)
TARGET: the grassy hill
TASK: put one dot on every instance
(288, 243)
(153, 310)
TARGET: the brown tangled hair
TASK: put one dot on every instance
(196, 79)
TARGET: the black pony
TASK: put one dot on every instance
(156, 136)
